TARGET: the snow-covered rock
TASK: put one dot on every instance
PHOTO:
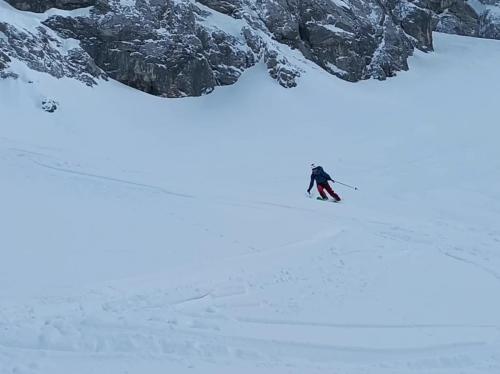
(489, 17)
(479, 18)
(24, 38)
(49, 105)
(454, 17)
(178, 48)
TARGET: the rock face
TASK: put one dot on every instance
(4, 61)
(489, 18)
(181, 48)
(479, 18)
(454, 17)
(177, 48)
(159, 48)
(489, 25)
(41, 50)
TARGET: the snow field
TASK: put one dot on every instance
(144, 235)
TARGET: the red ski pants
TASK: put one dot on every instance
(326, 186)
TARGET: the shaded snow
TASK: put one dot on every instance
(80, 12)
(341, 3)
(481, 8)
(223, 22)
(335, 29)
(19, 18)
(477, 5)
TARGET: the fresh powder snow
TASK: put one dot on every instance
(143, 235)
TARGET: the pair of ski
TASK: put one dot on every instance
(321, 199)
(329, 200)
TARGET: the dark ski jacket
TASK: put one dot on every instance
(320, 176)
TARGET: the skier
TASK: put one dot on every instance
(322, 178)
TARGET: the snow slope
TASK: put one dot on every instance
(144, 235)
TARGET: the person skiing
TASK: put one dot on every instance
(321, 177)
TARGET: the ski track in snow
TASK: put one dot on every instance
(361, 326)
(110, 179)
(479, 266)
(142, 185)
(188, 336)
(173, 333)
(166, 334)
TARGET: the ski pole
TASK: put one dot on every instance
(343, 184)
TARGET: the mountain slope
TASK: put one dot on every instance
(149, 235)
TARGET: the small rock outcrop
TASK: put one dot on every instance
(49, 105)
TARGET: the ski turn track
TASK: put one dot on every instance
(112, 329)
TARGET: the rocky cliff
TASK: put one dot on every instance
(177, 48)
